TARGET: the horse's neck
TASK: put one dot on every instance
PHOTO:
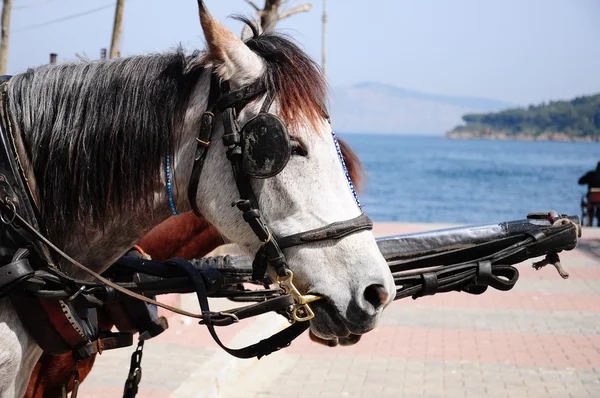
(99, 249)
(18, 352)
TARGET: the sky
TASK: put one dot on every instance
(519, 51)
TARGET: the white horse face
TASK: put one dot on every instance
(312, 191)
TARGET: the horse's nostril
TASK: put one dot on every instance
(376, 295)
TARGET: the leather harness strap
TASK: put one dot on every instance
(264, 347)
(336, 230)
(18, 197)
(270, 253)
(202, 143)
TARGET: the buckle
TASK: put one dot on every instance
(301, 311)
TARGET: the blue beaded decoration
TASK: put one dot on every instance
(170, 188)
(339, 152)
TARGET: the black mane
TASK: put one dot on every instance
(97, 133)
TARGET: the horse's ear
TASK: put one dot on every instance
(233, 60)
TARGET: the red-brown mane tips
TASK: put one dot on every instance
(353, 165)
(293, 76)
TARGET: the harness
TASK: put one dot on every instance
(60, 312)
(261, 149)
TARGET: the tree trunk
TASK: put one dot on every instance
(269, 15)
(116, 35)
(6, 9)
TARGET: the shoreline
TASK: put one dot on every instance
(544, 137)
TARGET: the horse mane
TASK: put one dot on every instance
(299, 85)
(97, 133)
(353, 165)
(296, 79)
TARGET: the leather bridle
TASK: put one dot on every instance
(223, 102)
(227, 103)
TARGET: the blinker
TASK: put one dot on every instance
(266, 146)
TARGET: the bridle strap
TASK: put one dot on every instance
(264, 347)
(336, 230)
(230, 99)
(270, 252)
(202, 143)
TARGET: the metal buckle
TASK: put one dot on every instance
(232, 316)
(204, 143)
(301, 310)
(77, 293)
(11, 218)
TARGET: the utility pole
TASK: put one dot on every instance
(6, 9)
(324, 39)
(116, 35)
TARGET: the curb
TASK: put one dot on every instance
(222, 370)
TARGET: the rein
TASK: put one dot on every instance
(225, 103)
(417, 272)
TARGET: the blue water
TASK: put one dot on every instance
(433, 179)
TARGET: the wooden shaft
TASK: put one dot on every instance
(6, 10)
(116, 35)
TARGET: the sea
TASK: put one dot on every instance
(427, 179)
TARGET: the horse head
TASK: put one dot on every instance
(290, 166)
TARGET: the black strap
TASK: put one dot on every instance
(260, 349)
(232, 316)
(230, 99)
(202, 143)
(267, 103)
(13, 273)
(429, 285)
(109, 341)
(454, 278)
(336, 230)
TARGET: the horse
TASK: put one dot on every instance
(186, 236)
(107, 148)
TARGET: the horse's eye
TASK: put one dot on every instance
(298, 149)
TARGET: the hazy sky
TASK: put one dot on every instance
(520, 51)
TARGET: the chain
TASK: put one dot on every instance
(65, 387)
(135, 372)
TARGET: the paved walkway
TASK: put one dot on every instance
(542, 339)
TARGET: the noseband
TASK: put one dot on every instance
(263, 160)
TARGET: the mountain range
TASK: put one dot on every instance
(372, 107)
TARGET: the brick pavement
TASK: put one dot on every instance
(540, 340)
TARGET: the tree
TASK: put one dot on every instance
(577, 118)
(270, 14)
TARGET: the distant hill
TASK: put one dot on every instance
(575, 120)
(380, 108)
